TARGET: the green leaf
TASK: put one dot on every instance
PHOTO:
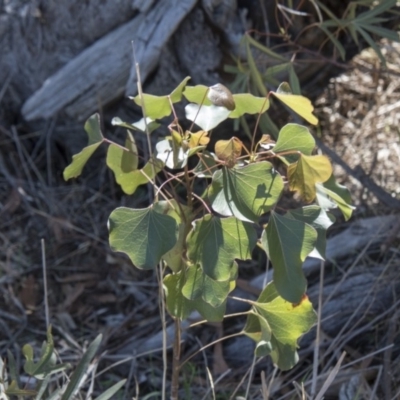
(157, 107)
(14, 390)
(339, 194)
(206, 166)
(284, 322)
(200, 285)
(183, 217)
(288, 242)
(197, 94)
(130, 178)
(245, 192)
(246, 103)
(36, 369)
(254, 72)
(299, 104)
(372, 43)
(294, 137)
(111, 391)
(145, 235)
(130, 159)
(294, 80)
(81, 369)
(137, 126)
(214, 243)
(180, 307)
(335, 41)
(320, 220)
(304, 174)
(177, 305)
(206, 117)
(92, 128)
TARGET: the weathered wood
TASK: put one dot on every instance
(103, 72)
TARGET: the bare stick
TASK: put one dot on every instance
(46, 303)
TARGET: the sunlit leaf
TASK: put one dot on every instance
(288, 242)
(206, 117)
(214, 243)
(339, 194)
(245, 192)
(198, 139)
(283, 322)
(157, 107)
(128, 178)
(197, 94)
(92, 128)
(246, 103)
(299, 104)
(304, 174)
(140, 125)
(145, 235)
(229, 150)
(294, 137)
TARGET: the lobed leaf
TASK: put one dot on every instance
(245, 192)
(92, 128)
(214, 243)
(304, 174)
(320, 220)
(276, 325)
(299, 104)
(145, 235)
(157, 107)
(330, 191)
(123, 164)
(288, 242)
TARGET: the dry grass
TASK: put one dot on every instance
(92, 290)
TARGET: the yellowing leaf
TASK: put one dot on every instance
(304, 174)
(198, 139)
(299, 104)
(229, 150)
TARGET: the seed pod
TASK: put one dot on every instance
(221, 96)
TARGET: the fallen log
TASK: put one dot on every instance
(100, 73)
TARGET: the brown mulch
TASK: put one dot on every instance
(92, 290)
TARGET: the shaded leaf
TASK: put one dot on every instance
(214, 243)
(206, 166)
(299, 104)
(288, 242)
(245, 192)
(92, 128)
(304, 174)
(81, 369)
(332, 191)
(130, 159)
(200, 285)
(320, 220)
(145, 235)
